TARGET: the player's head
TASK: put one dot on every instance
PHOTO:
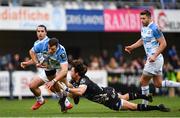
(78, 69)
(53, 45)
(145, 17)
(41, 32)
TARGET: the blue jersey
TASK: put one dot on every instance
(39, 55)
(149, 35)
(36, 42)
(51, 61)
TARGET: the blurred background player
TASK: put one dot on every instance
(154, 43)
(106, 96)
(41, 32)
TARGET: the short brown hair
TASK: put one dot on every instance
(79, 67)
(146, 12)
(53, 41)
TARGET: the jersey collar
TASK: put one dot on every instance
(150, 23)
(58, 47)
(45, 38)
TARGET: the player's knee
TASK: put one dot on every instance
(157, 85)
(143, 83)
(31, 86)
(123, 97)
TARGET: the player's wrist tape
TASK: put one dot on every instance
(54, 80)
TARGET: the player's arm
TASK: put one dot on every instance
(70, 85)
(77, 91)
(33, 53)
(63, 72)
(162, 45)
(27, 63)
(60, 76)
(63, 66)
(134, 46)
(33, 56)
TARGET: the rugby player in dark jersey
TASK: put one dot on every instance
(106, 96)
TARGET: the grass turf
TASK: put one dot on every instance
(21, 108)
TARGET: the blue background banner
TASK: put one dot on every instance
(85, 20)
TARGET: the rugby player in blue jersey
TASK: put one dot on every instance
(41, 32)
(154, 43)
(40, 79)
(55, 64)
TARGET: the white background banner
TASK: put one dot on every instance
(97, 76)
(4, 83)
(28, 18)
(21, 80)
(168, 20)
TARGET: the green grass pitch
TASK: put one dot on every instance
(21, 108)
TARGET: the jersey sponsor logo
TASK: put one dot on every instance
(63, 56)
(82, 81)
(149, 32)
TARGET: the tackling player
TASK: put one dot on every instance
(106, 96)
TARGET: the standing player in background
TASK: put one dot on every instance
(41, 33)
(105, 95)
(39, 80)
(154, 43)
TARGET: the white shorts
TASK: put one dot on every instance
(122, 103)
(154, 68)
(41, 73)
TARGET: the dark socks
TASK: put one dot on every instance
(143, 107)
(133, 96)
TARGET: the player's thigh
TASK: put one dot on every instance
(154, 68)
(144, 80)
(128, 105)
(36, 82)
(51, 77)
(157, 81)
(125, 96)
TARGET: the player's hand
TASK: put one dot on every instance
(152, 58)
(39, 65)
(23, 64)
(128, 49)
(50, 84)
